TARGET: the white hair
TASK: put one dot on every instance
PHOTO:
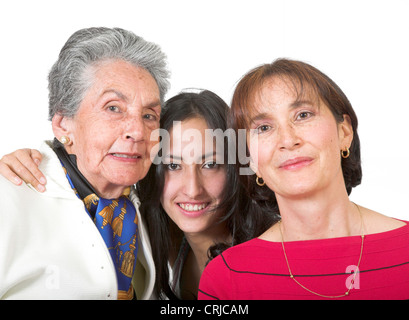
(68, 79)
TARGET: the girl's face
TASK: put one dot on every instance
(298, 142)
(194, 182)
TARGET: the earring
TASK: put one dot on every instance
(64, 140)
(258, 181)
(345, 153)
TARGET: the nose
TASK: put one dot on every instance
(288, 137)
(193, 184)
(134, 129)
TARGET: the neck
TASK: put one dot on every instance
(201, 242)
(111, 193)
(103, 188)
(320, 217)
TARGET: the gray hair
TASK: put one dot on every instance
(69, 80)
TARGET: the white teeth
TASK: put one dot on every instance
(120, 155)
(191, 207)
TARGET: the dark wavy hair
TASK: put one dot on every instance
(244, 220)
(306, 80)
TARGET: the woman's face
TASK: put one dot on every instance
(298, 142)
(111, 131)
(193, 181)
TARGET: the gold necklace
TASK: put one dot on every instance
(353, 279)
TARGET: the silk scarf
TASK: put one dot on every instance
(115, 219)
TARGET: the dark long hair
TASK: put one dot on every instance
(243, 219)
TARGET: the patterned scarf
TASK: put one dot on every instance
(115, 219)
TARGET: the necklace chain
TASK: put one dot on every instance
(353, 279)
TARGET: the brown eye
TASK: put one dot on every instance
(263, 128)
(304, 115)
(172, 166)
(210, 165)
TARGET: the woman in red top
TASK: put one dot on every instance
(305, 152)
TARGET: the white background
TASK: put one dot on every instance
(362, 45)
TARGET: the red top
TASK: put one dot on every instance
(257, 269)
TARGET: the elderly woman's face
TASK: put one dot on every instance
(111, 131)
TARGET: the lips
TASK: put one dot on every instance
(126, 156)
(193, 207)
(295, 163)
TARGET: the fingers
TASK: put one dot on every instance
(37, 157)
(33, 167)
(22, 165)
(6, 172)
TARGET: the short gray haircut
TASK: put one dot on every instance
(69, 80)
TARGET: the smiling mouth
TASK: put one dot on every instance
(126, 156)
(296, 164)
(193, 207)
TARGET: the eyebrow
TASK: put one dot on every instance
(259, 116)
(177, 158)
(121, 96)
(153, 104)
(299, 103)
(293, 105)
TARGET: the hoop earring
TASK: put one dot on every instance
(260, 183)
(345, 153)
(65, 140)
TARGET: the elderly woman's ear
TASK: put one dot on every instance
(62, 129)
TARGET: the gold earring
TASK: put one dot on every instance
(258, 181)
(64, 140)
(345, 153)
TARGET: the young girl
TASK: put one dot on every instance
(195, 200)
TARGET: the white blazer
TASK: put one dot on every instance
(50, 247)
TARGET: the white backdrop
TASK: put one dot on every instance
(363, 45)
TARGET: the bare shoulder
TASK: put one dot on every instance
(376, 222)
(272, 234)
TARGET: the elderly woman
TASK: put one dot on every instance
(305, 149)
(80, 238)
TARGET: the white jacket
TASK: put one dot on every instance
(50, 247)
